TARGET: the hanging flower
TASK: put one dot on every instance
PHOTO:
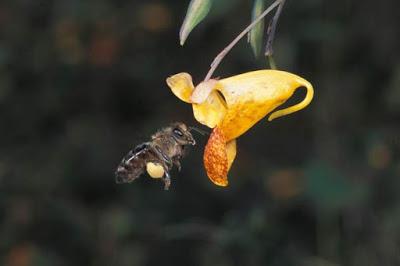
(231, 106)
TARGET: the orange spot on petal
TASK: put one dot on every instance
(216, 159)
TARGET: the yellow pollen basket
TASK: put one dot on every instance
(155, 170)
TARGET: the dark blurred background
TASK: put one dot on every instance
(82, 82)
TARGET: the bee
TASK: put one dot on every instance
(157, 156)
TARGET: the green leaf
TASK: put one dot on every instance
(197, 11)
(257, 33)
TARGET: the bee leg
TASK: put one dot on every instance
(161, 155)
(170, 164)
(178, 165)
(167, 180)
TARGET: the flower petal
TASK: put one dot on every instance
(218, 157)
(231, 152)
(297, 107)
(182, 86)
(203, 90)
(215, 158)
(212, 111)
(251, 96)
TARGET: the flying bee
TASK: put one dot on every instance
(158, 156)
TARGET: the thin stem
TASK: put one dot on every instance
(272, 28)
(226, 50)
(271, 62)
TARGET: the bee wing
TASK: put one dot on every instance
(133, 164)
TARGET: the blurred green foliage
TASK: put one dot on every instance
(82, 82)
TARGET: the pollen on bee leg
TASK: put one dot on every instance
(155, 170)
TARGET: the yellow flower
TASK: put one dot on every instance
(231, 106)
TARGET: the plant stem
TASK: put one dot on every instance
(271, 62)
(272, 28)
(217, 60)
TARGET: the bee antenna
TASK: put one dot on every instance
(198, 130)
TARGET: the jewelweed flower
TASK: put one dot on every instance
(231, 106)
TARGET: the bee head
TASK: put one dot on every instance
(181, 134)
